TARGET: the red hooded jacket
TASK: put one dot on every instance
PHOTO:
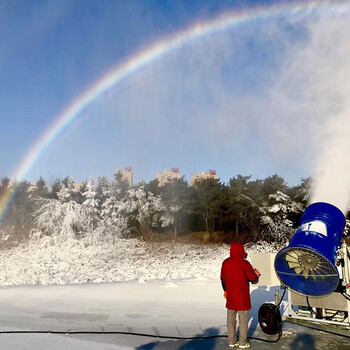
(236, 273)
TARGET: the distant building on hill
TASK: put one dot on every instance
(167, 176)
(126, 174)
(202, 176)
(78, 186)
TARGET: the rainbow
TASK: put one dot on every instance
(145, 57)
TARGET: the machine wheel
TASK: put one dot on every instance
(270, 319)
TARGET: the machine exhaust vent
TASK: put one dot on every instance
(308, 263)
(306, 271)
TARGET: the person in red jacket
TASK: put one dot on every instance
(236, 273)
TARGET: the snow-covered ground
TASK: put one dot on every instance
(180, 308)
(159, 289)
(48, 262)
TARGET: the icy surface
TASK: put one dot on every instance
(181, 308)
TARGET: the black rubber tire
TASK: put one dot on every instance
(270, 319)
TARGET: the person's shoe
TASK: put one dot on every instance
(236, 344)
(247, 345)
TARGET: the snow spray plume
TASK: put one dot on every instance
(332, 179)
(147, 56)
(311, 95)
(329, 86)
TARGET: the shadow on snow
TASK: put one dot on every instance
(194, 344)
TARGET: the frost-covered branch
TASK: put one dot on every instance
(54, 218)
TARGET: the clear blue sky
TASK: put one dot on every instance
(224, 102)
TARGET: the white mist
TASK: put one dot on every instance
(332, 169)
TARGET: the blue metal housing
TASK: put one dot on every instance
(307, 265)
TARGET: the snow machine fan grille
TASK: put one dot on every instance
(306, 271)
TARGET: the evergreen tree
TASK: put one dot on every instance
(55, 188)
(176, 198)
(271, 185)
(91, 203)
(145, 210)
(81, 188)
(68, 192)
(277, 213)
(243, 208)
(102, 189)
(113, 219)
(41, 189)
(153, 186)
(119, 187)
(302, 192)
(208, 201)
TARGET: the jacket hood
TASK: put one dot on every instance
(237, 251)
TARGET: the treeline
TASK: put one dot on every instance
(246, 209)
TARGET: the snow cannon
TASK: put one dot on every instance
(307, 264)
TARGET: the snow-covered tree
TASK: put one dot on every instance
(91, 203)
(119, 187)
(68, 191)
(113, 220)
(62, 219)
(145, 209)
(276, 216)
(102, 189)
(302, 192)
